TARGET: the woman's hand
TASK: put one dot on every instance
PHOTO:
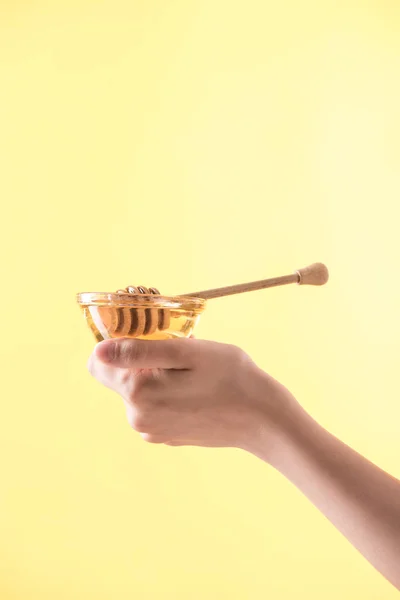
(193, 392)
(190, 392)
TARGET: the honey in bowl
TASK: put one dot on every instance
(139, 312)
(140, 315)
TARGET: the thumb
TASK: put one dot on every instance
(145, 354)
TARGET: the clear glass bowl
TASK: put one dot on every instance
(140, 316)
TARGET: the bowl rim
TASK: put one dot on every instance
(141, 301)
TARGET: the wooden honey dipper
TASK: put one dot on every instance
(315, 274)
(135, 322)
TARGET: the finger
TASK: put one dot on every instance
(118, 380)
(152, 438)
(103, 373)
(175, 443)
(145, 354)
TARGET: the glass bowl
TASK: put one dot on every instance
(140, 316)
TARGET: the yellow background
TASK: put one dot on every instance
(189, 144)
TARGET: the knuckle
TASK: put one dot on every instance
(137, 390)
(125, 377)
(237, 358)
(138, 421)
(131, 417)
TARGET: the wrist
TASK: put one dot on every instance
(278, 422)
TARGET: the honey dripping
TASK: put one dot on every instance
(135, 322)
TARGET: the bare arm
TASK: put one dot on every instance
(361, 500)
(191, 392)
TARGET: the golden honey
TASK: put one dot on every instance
(140, 316)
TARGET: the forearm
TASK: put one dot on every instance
(208, 394)
(361, 500)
